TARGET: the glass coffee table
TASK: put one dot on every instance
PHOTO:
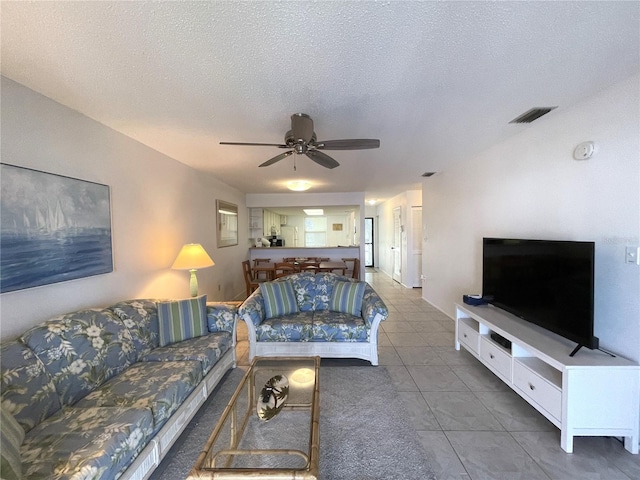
(283, 447)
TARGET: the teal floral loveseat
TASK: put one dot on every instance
(100, 394)
(307, 314)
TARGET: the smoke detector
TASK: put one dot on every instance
(584, 151)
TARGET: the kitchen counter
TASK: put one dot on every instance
(276, 254)
(306, 248)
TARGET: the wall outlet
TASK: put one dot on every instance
(632, 255)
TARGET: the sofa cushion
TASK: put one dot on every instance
(304, 287)
(221, 316)
(182, 319)
(159, 386)
(86, 443)
(296, 327)
(325, 282)
(252, 309)
(347, 298)
(331, 326)
(206, 349)
(28, 393)
(81, 350)
(141, 318)
(11, 437)
(279, 299)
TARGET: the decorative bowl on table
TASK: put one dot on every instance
(272, 397)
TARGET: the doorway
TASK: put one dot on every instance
(396, 247)
(369, 260)
(416, 248)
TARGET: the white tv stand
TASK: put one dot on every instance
(589, 394)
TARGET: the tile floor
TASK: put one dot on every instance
(472, 426)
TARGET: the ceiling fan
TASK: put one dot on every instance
(301, 139)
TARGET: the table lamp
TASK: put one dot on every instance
(191, 257)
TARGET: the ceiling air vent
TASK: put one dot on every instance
(531, 115)
(428, 174)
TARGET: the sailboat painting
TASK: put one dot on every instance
(52, 228)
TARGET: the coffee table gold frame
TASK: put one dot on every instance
(223, 455)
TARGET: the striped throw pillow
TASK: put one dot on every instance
(182, 319)
(279, 299)
(347, 298)
(12, 437)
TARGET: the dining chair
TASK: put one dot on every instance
(250, 282)
(350, 265)
(257, 273)
(283, 269)
(339, 270)
(309, 266)
(356, 269)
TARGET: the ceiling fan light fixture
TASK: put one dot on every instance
(302, 140)
(299, 185)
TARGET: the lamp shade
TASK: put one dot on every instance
(192, 256)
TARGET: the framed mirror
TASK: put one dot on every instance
(227, 220)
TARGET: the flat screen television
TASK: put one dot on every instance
(546, 282)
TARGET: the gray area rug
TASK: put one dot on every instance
(365, 433)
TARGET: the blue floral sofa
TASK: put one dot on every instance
(93, 395)
(314, 319)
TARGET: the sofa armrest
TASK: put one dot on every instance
(252, 309)
(222, 316)
(373, 308)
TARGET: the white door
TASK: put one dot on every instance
(397, 245)
(416, 250)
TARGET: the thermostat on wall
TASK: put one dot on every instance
(584, 151)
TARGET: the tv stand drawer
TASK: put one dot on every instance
(468, 334)
(537, 389)
(495, 358)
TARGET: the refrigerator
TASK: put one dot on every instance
(290, 236)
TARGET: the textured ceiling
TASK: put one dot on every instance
(434, 81)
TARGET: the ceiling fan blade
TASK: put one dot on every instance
(351, 144)
(301, 127)
(322, 159)
(279, 145)
(277, 158)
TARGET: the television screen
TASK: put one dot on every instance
(549, 283)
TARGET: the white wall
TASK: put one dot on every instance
(530, 187)
(306, 199)
(157, 205)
